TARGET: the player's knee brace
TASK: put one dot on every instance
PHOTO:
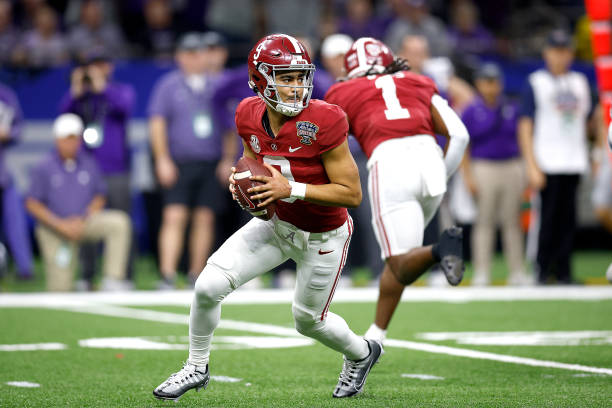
(211, 287)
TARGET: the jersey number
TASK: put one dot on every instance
(389, 93)
(285, 169)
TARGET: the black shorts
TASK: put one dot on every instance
(196, 186)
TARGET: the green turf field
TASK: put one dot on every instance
(572, 339)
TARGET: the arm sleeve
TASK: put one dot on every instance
(527, 101)
(457, 131)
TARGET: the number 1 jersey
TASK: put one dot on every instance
(296, 153)
(383, 107)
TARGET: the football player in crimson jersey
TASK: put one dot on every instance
(394, 115)
(314, 178)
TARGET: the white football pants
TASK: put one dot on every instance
(406, 183)
(258, 247)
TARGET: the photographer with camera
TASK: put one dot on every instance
(105, 107)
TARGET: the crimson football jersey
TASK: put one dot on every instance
(383, 107)
(296, 153)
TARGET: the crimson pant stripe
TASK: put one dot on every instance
(342, 262)
(378, 217)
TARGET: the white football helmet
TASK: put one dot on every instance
(367, 56)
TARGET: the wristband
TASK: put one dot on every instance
(298, 190)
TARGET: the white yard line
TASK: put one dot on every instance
(178, 318)
(23, 384)
(32, 346)
(277, 296)
(483, 355)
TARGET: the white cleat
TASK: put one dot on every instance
(177, 384)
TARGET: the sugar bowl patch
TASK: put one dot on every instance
(306, 131)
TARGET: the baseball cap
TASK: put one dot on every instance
(190, 42)
(66, 125)
(559, 38)
(213, 39)
(489, 70)
(335, 44)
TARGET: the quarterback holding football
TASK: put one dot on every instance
(313, 179)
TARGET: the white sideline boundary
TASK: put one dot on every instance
(279, 296)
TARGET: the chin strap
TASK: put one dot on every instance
(282, 109)
(286, 110)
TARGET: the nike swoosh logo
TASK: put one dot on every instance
(249, 203)
(291, 150)
(321, 252)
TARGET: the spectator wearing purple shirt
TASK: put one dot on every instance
(105, 106)
(188, 152)
(14, 221)
(360, 20)
(493, 172)
(66, 197)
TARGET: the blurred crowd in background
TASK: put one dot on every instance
(44, 33)
(170, 122)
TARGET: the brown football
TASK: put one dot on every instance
(245, 168)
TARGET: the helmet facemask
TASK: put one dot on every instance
(271, 95)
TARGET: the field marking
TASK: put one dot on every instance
(177, 318)
(224, 378)
(32, 346)
(273, 329)
(422, 376)
(23, 384)
(524, 338)
(483, 355)
(219, 343)
(280, 296)
(167, 317)
(130, 343)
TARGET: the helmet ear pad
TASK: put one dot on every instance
(260, 83)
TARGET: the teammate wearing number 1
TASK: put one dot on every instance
(314, 178)
(394, 115)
